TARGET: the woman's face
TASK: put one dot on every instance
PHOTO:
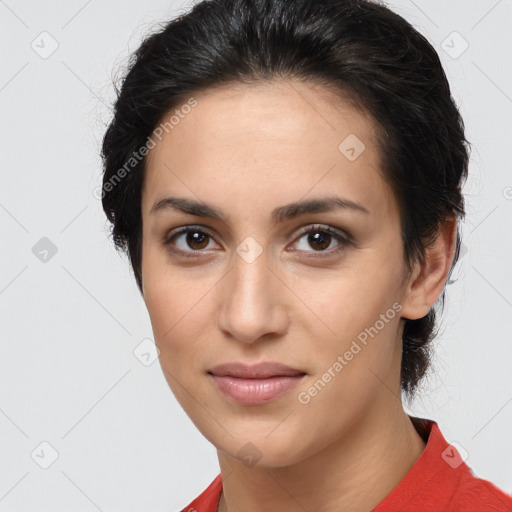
(248, 286)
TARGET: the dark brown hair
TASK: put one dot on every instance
(368, 53)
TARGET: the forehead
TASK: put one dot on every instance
(278, 140)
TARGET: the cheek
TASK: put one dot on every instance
(339, 305)
(175, 316)
(356, 317)
(173, 313)
(350, 372)
(179, 308)
(167, 299)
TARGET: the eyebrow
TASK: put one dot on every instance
(279, 214)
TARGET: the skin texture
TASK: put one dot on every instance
(246, 149)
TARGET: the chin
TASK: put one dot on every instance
(259, 450)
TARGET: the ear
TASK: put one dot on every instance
(429, 276)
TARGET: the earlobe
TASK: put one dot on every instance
(429, 276)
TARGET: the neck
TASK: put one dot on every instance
(353, 474)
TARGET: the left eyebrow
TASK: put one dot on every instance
(321, 205)
(279, 214)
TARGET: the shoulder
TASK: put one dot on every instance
(440, 480)
(476, 494)
(208, 500)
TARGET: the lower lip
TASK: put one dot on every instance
(255, 391)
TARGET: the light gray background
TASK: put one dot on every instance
(70, 324)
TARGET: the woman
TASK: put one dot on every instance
(286, 178)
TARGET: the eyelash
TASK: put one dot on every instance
(344, 240)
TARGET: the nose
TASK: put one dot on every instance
(252, 302)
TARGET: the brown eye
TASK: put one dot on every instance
(320, 239)
(196, 239)
(188, 241)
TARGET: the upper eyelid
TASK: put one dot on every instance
(184, 229)
(323, 227)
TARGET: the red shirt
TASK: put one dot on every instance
(439, 481)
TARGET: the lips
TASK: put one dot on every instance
(254, 384)
(257, 371)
